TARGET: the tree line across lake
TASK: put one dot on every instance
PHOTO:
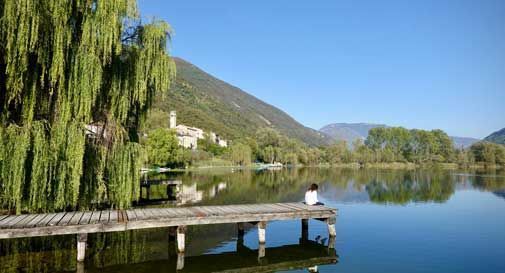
(383, 145)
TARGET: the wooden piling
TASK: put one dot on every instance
(172, 234)
(81, 246)
(240, 230)
(262, 232)
(261, 251)
(331, 226)
(181, 234)
(180, 261)
(305, 230)
(331, 242)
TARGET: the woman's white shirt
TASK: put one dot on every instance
(311, 197)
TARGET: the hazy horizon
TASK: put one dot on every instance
(421, 64)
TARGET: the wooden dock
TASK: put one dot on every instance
(176, 219)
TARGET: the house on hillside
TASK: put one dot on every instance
(218, 140)
(188, 136)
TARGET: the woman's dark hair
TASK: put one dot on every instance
(313, 187)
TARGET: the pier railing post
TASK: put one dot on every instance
(181, 234)
(81, 246)
(262, 232)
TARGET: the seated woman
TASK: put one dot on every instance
(311, 196)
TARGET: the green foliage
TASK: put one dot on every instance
(163, 148)
(418, 146)
(338, 153)
(210, 146)
(240, 154)
(65, 65)
(156, 119)
(124, 175)
(488, 153)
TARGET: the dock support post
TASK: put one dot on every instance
(181, 234)
(180, 261)
(172, 233)
(331, 226)
(81, 246)
(331, 242)
(305, 230)
(261, 251)
(80, 268)
(262, 232)
(240, 230)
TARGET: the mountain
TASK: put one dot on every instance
(206, 102)
(352, 131)
(497, 137)
(463, 142)
(349, 131)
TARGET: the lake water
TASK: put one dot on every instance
(388, 221)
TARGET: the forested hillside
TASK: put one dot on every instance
(497, 137)
(204, 101)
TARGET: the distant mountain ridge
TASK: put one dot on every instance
(201, 100)
(464, 142)
(497, 137)
(349, 132)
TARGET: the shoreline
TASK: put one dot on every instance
(391, 166)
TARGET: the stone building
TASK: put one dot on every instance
(188, 136)
(218, 140)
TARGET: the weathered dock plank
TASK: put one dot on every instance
(35, 220)
(95, 218)
(84, 219)
(45, 221)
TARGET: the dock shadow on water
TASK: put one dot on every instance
(153, 251)
(386, 219)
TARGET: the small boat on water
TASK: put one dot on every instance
(154, 170)
(269, 166)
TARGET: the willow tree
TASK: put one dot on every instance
(76, 80)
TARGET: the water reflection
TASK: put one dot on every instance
(308, 254)
(151, 251)
(346, 185)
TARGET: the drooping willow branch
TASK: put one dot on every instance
(65, 66)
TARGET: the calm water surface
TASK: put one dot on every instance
(389, 221)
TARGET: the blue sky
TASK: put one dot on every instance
(418, 64)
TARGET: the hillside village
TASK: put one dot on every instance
(188, 136)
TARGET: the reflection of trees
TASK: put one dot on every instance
(491, 180)
(416, 187)
(57, 254)
(382, 186)
(44, 254)
(396, 186)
